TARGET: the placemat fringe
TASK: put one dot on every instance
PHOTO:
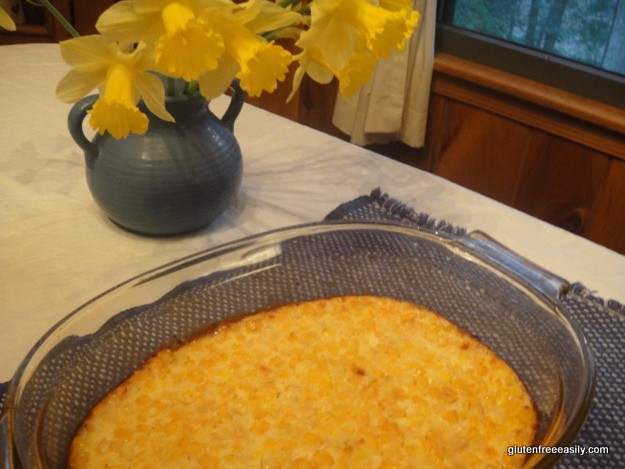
(612, 307)
(397, 208)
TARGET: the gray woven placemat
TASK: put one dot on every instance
(603, 322)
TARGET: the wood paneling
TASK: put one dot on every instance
(482, 151)
(606, 220)
(86, 14)
(558, 158)
(560, 181)
(575, 118)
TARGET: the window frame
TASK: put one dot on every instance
(565, 74)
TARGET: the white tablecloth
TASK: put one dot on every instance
(57, 250)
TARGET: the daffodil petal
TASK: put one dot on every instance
(310, 63)
(147, 7)
(396, 5)
(214, 82)
(319, 71)
(337, 33)
(74, 85)
(397, 30)
(248, 10)
(121, 23)
(357, 73)
(297, 81)
(133, 21)
(6, 21)
(87, 53)
(152, 91)
(266, 16)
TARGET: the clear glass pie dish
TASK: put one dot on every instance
(510, 304)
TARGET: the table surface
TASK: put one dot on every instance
(57, 250)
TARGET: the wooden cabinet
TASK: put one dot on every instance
(86, 13)
(40, 26)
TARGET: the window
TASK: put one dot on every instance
(577, 45)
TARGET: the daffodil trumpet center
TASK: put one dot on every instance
(262, 64)
(176, 16)
(116, 110)
(120, 84)
(189, 46)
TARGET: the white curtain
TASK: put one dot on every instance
(393, 105)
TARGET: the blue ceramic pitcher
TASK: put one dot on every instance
(175, 178)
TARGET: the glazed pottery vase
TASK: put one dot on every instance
(176, 178)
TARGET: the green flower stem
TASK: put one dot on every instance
(171, 86)
(192, 87)
(305, 10)
(271, 35)
(287, 3)
(59, 17)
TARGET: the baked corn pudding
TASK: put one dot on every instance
(345, 382)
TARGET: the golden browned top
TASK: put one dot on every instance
(346, 382)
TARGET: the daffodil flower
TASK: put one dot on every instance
(116, 111)
(123, 79)
(185, 45)
(208, 43)
(188, 48)
(354, 74)
(366, 32)
(258, 64)
(6, 21)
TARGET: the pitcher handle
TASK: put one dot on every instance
(77, 114)
(237, 99)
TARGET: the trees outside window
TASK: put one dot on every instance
(591, 32)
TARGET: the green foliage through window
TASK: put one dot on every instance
(587, 31)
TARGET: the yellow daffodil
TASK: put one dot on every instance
(122, 78)
(312, 63)
(188, 48)
(185, 46)
(116, 110)
(259, 64)
(6, 21)
(396, 5)
(356, 73)
(384, 29)
(208, 43)
(366, 32)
